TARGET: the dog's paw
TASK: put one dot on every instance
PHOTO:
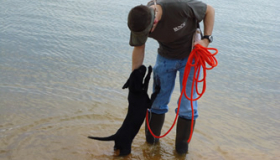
(125, 152)
(150, 69)
(157, 89)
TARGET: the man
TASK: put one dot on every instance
(172, 24)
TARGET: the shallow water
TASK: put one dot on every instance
(63, 63)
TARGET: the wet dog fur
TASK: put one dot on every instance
(138, 103)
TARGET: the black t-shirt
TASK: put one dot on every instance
(178, 23)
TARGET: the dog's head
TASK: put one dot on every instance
(135, 81)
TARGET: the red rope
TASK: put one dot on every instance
(202, 57)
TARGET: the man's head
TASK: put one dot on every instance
(140, 22)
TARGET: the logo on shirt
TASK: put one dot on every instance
(179, 27)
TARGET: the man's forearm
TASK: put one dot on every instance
(209, 20)
(138, 56)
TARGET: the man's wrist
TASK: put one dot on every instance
(209, 38)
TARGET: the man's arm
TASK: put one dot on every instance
(208, 23)
(138, 56)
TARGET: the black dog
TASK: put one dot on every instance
(139, 102)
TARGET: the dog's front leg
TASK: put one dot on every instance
(154, 95)
(147, 79)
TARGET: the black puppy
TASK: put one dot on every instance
(139, 102)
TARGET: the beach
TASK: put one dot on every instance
(63, 65)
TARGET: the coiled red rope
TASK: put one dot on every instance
(204, 59)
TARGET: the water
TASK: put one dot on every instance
(63, 63)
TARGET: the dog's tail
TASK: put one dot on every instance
(110, 138)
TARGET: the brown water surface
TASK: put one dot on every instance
(63, 63)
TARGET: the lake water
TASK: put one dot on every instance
(63, 63)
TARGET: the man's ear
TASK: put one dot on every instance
(126, 84)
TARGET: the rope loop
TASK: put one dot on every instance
(199, 58)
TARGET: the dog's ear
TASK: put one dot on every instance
(134, 83)
(126, 84)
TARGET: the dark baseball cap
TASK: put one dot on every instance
(140, 22)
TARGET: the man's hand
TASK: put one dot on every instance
(203, 42)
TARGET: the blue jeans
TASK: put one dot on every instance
(165, 71)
